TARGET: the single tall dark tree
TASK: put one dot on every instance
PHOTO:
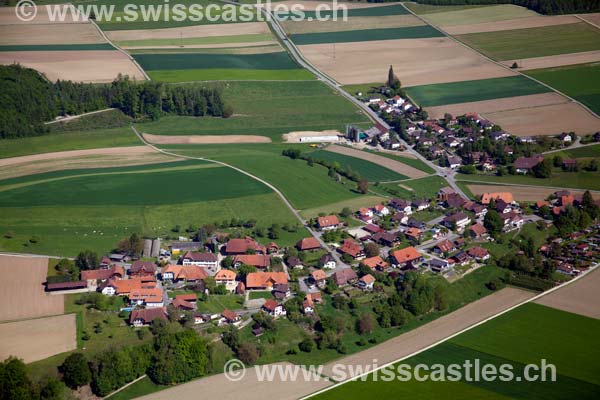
(76, 371)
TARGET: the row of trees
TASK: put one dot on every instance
(541, 6)
(28, 100)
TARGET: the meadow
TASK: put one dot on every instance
(559, 179)
(231, 74)
(431, 9)
(366, 35)
(535, 42)
(423, 188)
(582, 82)
(68, 211)
(368, 170)
(267, 109)
(182, 61)
(249, 38)
(478, 90)
(522, 336)
(395, 9)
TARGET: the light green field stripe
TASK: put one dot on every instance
(231, 74)
(259, 37)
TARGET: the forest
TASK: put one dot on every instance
(27, 100)
(549, 7)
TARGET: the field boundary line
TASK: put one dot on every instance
(524, 184)
(536, 297)
(125, 386)
(502, 65)
(586, 21)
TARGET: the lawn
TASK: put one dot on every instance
(183, 61)
(574, 180)
(268, 109)
(368, 170)
(478, 90)
(231, 74)
(99, 138)
(260, 294)
(413, 189)
(217, 303)
(525, 335)
(535, 42)
(464, 15)
(365, 35)
(581, 82)
(69, 211)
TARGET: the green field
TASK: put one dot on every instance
(79, 140)
(581, 82)
(423, 188)
(68, 211)
(268, 109)
(365, 35)
(413, 162)
(523, 336)
(573, 180)
(57, 47)
(231, 74)
(467, 91)
(535, 42)
(395, 9)
(580, 152)
(431, 9)
(181, 61)
(464, 15)
(259, 37)
(368, 170)
(217, 303)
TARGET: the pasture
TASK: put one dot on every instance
(475, 90)
(423, 188)
(581, 82)
(522, 336)
(267, 109)
(77, 209)
(366, 35)
(578, 180)
(368, 170)
(535, 42)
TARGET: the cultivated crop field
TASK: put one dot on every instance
(368, 170)
(581, 297)
(465, 15)
(366, 35)
(581, 82)
(522, 336)
(580, 180)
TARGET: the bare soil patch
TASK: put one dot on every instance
(205, 139)
(415, 61)
(294, 137)
(353, 23)
(581, 297)
(94, 66)
(520, 193)
(49, 34)
(388, 163)
(439, 329)
(22, 292)
(186, 32)
(487, 106)
(556, 61)
(36, 339)
(546, 120)
(519, 23)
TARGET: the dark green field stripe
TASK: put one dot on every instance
(360, 12)
(478, 90)
(365, 35)
(152, 62)
(58, 47)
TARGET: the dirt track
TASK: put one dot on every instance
(546, 120)
(520, 193)
(556, 61)
(495, 105)
(22, 292)
(388, 163)
(196, 31)
(36, 339)
(519, 23)
(581, 297)
(94, 66)
(415, 61)
(205, 139)
(49, 34)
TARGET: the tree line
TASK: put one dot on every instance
(27, 100)
(541, 6)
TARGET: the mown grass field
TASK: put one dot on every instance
(368, 170)
(523, 336)
(581, 82)
(231, 74)
(217, 303)
(94, 139)
(58, 47)
(68, 211)
(366, 35)
(267, 109)
(535, 42)
(580, 152)
(478, 90)
(423, 188)
(431, 9)
(575, 180)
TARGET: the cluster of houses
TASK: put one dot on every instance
(580, 253)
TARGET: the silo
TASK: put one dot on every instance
(147, 248)
(155, 247)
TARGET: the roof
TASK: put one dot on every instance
(367, 279)
(352, 248)
(181, 303)
(344, 276)
(504, 196)
(66, 285)
(148, 314)
(265, 279)
(330, 220)
(125, 286)
(256, 260)
(186, 272)
(318, 275)
(528, 162)
(200, 257)
(154, 295)
(445, 246)
(413, 232)
(230, 315)
(142, 266)
(375, 262)
(191, 297)
(241, 246)
(455, 217)
(478, 229)
(225, 275)
(103, 274)
(406, 255)
(454, 200)
(309, 243)
(271, 305)
(372, 228)
(478, 252)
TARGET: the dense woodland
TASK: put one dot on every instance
(541, 6)
(27, 100)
